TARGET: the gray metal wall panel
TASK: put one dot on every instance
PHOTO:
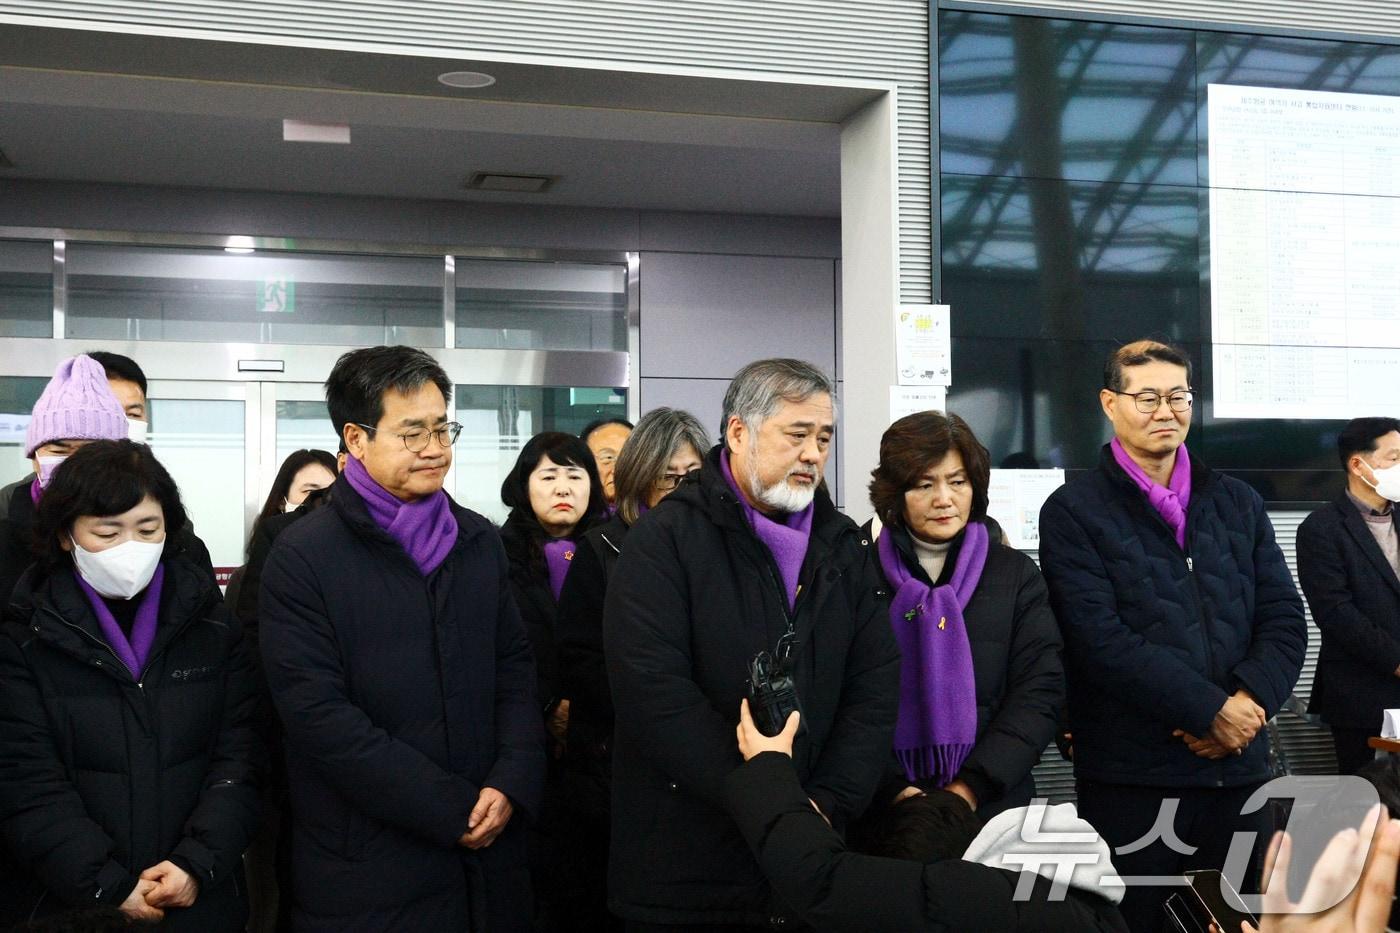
(705, 315)
(1361, 17)
(877, 39)
(1306, 746)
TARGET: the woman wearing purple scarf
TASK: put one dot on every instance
(981, 679)
(127, 700)
(554, 495)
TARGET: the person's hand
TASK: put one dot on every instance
(910, 791)
(135, 905)
(489, 817)
(752, 742)
(1355, 876)
(1238, 721)
(962, 790)
(558, 726)
(1206, 747)
(173, 886)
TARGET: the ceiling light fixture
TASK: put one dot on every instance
(466, 79)
(509, 181)
(239, 244)
(306, 131)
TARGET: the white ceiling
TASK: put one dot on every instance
(184, 113)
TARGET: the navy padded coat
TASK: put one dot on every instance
(1156, 638)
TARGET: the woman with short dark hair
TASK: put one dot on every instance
(554, 495)
(127, 704)
(982, 678)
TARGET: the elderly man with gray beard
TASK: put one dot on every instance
(748, 556)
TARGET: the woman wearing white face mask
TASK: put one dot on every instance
(127, 703)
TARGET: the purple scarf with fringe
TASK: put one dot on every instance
(1170, 500)
(786, 540)
(132, 651)
(425, 528)
(937, 722)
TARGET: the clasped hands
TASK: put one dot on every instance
(1235, 726)
(488, 818)
(161, 886)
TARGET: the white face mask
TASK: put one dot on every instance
(289, 506)
(1387, 484)
(119, 572)
(46, 467)
(136, 430)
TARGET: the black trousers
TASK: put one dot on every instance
(1352, 750)
(1206, 820)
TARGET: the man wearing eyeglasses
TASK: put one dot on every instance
(400, 668)
(1183, 634)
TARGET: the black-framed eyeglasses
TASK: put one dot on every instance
(669, 481)
(417, 441)
(1148, 402)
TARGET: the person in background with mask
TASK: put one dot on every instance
(666, 447)
(127, 703)
(128, 384)
(76, 407)
(605, 437)
(300, 486)
(1349, 565)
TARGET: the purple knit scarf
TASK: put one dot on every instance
(1171, 500)
(35, 491)
(786, 540)
(557, 555)
(134, 651)
(425, 527)
(937, 722)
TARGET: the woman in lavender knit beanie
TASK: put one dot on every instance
(77, 404)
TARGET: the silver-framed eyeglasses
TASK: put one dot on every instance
(417, 441)
(1149, 401)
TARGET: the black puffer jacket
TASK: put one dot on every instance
(401, 696)
(835, 890)
(1157, 639)
(105, 776)
(695, 596)
(1016, 665)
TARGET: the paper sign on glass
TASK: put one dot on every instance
(908, 400)
(923, 347)
(1015, 498)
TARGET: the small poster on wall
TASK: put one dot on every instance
(907, 400)
(1015, 498)
(923, 346)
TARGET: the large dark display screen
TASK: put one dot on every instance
(1075, 217)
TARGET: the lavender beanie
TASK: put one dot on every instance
(76, 404)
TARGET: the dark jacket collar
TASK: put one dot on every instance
(351, 509)
(56, 609)
(1356, 527)
(1202, 476)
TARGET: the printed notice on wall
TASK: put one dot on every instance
(1304, 235)
(908, 400)
(1015, 498)
(923, 347)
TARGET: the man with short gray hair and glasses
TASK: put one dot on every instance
(1183, 635)
(747, 573)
